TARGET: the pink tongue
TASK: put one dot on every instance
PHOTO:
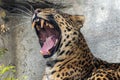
(48, 44)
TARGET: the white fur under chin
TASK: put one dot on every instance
(46, 74)
(47, 69)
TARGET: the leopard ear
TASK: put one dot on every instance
(78, 20)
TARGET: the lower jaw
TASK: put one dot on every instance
(50, 55)
(52, 51)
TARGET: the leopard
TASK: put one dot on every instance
(66, 50)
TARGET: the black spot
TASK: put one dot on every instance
(68, 29)
(66, 79)
(71, 72)
(62, 19)
(53, 72)
(62, 74)
(50, 63)
(64, 30)
(98, 79)
(62, 23)
(58, 75)
(67, 74)
(80, 62)
(70, 23)
(64, 40)
(75, 33)
(73, 39)
(104, 79)
(67, 36)
(61, 45)
(93, 78)
(61, 68)
(61, 52)
(101, 75)
(97, 75)
(70, 53)
(75, 70)
(67, 24)
(114, 78)
(67, 52)
(58, 16)
(69, 66)
(83, 62)
(61, 78)
(109, 77)
(68, 43)
(84, 55)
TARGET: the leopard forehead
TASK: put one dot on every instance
(46, 11)
(74, 20)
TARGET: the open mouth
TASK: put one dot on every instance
(48, 34)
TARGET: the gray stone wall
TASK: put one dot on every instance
(101, 30)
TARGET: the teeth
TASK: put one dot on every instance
(43, 52)
(48, 52)
(50, 26)
(37, 27)
(33, 24)
(42, 23)
(47, 24)
(56, 42)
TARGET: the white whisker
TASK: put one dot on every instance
(21, 24)
(21, 11)
(27, 10)
(19, 16)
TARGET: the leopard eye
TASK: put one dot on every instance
(79, 22)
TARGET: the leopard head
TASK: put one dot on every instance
(50, 26)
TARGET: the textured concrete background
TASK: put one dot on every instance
(101, 30)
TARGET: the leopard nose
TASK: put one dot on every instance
(37, 11)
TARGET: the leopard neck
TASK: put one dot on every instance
(72, 41)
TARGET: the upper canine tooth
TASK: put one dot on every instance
(42, 23)
(33, 24)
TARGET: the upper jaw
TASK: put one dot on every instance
(41, 22)
(40, 25)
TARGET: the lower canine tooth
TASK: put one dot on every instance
(42, 23)
(50, 26)
(37, 27)
(48, 52)
(47, 24)
(41, 52)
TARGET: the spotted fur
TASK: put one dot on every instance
(73, 60)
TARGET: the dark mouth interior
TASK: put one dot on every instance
(49, 36)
